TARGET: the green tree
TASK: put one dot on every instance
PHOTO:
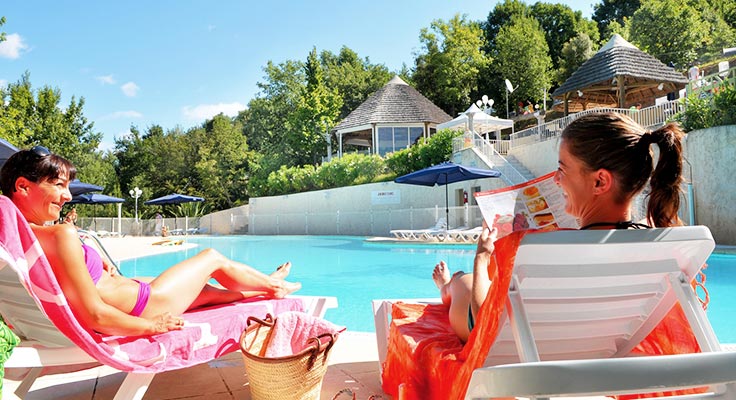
(452, 59)
(500, 16)
(609, 11)
(29, 117)
(222, 162)
(317, 109)
(561, 24)
(265, 123)
(2, 34)
(719, 33)
(521, 43)
(682, 20)
(574, 53)
(354, 78)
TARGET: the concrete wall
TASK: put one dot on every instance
(712, 155)
(226, 222)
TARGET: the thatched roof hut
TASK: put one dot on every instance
(618, 75)
(392, 118)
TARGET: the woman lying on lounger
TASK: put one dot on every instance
(37, 181)
(605, 160)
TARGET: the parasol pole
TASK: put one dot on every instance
(447, 207)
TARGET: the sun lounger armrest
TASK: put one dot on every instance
(317, 306)
(382, 321)
(603, 376)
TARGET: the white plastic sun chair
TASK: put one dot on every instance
(465, 235)
(33, 305)
(422, 234)
(592, 295)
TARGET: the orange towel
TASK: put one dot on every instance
(425, 355)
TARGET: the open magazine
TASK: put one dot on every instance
(535, 204)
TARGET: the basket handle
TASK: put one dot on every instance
(268, 321)
(318, 346)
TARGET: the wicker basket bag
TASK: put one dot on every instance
(297, 376)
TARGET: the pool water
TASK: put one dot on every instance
(356, 271)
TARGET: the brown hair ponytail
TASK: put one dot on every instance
(618, 144)
(664, 198)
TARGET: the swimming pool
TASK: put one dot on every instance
(356, 271)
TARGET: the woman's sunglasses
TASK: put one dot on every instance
(41, 151)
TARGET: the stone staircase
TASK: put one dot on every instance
(519, 167)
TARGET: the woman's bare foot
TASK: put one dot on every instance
(282, 271)
(285, 288)
(441, 275)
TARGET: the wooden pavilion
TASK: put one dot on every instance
(619, 75)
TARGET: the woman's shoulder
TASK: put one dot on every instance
(56, 231)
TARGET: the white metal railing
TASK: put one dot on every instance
(650, 118)
(492, 152)
(710, 82)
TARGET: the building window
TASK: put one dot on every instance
(385, 140)
(392, 139)
(415, 134)
(401, 138)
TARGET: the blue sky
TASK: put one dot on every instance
(176, 63)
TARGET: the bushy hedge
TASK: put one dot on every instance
(357, 169)
(705, 110)
(435, 151)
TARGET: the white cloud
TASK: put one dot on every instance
(106, 79)
(130, 89)
(12, 46)
(121, 114)
(206, 111)
(3, 83)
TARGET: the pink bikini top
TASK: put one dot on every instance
(93, 261)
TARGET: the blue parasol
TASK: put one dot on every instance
(77, 187)
(444, 173)
(174, 198)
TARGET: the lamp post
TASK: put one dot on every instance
(485, 104)
(136, 193)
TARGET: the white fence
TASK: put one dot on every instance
(650, 117)
(369, 222)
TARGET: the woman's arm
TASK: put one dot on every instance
(62, 248)
(481, 280)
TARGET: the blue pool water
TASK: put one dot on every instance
(356, 271)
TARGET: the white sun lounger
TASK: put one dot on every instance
(429, 234)
(593, 295)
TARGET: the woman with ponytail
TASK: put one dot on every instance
(605, 160)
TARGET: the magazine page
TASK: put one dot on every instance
(536, 204)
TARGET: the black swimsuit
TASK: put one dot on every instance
(617, 225)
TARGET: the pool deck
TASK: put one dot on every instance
(353, 363)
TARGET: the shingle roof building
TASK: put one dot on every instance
(618, 75)
(395, 105)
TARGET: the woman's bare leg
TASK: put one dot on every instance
(465, 293)
(186, 284)
(455, 291)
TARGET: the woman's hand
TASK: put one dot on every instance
(485, 242)
(165, 322)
